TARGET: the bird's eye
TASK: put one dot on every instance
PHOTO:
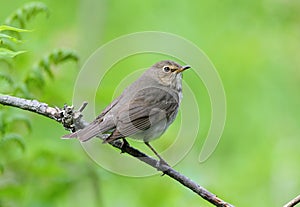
(166, 69)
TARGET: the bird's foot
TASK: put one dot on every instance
(125, 144)
(163, 166)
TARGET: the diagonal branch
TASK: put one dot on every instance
(72, 120)
(293, 202)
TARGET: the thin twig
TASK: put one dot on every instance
(293, 202)
(72, 120)
(30, 105)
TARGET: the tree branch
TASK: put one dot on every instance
(293, 202)
(72, 120)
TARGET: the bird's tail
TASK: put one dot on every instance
(86, 133)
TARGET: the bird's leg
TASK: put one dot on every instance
(161, 160)
(124, 145)
(114, 136)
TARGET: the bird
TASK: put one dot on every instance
(143, 111)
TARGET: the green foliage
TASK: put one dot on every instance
(19, 17)
(12, 137)
(7, 83)
(35, 76)
(26, 13)
(1, 169)
(6, 40)
(14, 125)
(56, 57)
(10, 28)
(16, 121)
(6, 53)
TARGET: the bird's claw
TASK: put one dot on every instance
(125, 144)
(162, 165)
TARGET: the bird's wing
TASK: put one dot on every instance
(97, 126)
(109, 107)
(148, 107)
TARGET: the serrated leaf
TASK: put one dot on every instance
(36, 77)
(46, 65)
(13, 39)
(10, 28)
(27, 12)
(56, 57)
(6, 53)
(61, 55)
(13, 137)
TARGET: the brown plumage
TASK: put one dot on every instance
(144, 110)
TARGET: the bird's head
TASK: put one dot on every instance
(168, 72)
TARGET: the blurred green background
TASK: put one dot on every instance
(255, 48)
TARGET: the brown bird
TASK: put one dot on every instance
(144, 110)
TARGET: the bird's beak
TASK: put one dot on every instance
(183, 69)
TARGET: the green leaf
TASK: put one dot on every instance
(61, 55)
(46, 65)
(7, 78)
(35, 77)
(10, 28)
(6, 53)
(27, 12)
(6, 82)
(58, 56)
(13, 39)
(21, 89)
(14, 118)
(13, 137)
